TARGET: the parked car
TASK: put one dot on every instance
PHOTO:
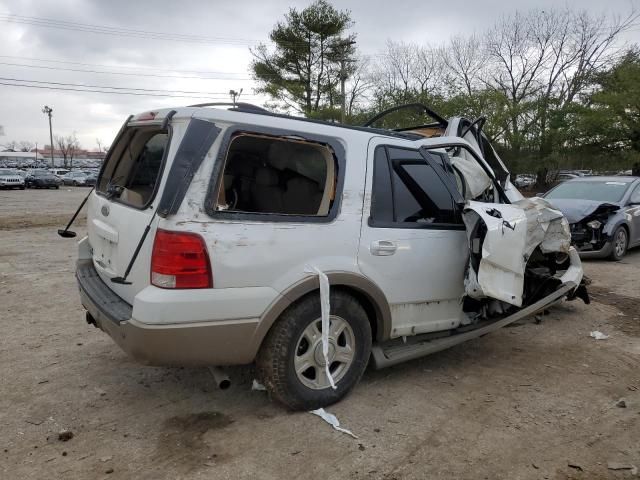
(59, 172)
(604, 213)
(220, 237)
(91, 178)
(10, 178)
(76, 178)
(42, 179)
(524, 180)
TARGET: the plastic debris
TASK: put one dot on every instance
(325, 309)
(598, 335)
(256, 385)
(332, 420)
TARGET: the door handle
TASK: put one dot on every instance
(383, 248)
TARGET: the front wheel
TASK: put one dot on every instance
(291, 363)
(620, 242)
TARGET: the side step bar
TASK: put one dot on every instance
(392, 355)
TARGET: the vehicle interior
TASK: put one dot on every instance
(134, 168)
(265, 174)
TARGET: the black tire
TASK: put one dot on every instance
(620, 241)
(275, 360)
(75, 184)
(57, 187)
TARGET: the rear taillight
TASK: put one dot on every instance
(180, 260)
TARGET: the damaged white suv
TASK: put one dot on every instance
(228, 236)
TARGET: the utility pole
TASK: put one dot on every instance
(48, 111)
(344, 46)
(235, 96)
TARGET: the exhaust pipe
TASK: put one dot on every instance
(222, 379)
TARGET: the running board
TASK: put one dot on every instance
(392, 355)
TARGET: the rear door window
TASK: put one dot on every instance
(134, 166)
(406, 190)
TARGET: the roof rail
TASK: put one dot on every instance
(235, 106)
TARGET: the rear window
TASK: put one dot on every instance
(134, 166)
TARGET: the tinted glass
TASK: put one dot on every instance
(381, 202)
(635, 196)
(601, 191)
(397, 200)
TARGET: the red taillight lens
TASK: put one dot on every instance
(180, 260)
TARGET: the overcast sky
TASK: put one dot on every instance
(225, 30)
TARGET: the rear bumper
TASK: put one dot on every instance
(220, 342)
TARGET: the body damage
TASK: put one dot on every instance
(512, 245)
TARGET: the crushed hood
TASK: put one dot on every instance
(576, 210)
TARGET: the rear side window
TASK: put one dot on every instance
(134, 166)
(276, 175)
(408, 192)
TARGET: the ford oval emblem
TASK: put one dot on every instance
(105, 210)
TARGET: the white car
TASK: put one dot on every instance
(220, 237)
(11, 179)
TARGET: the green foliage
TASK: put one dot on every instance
(310, 53)
(610, 120)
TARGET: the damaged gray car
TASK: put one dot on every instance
(603, 212)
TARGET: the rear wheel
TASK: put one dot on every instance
(75, 184)
(291, 362)
(620, 242)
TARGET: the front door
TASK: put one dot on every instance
(413, 243)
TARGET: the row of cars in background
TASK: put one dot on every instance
(42, 178)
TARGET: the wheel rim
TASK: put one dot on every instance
(621, 243)
(309, 361)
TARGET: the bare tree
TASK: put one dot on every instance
(68, 147)
(101, 146)
(26, 146)
(465, 62)
(359, 85)
(11, 146)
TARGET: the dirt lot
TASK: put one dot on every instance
(532, 401)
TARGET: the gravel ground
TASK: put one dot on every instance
(534, 401)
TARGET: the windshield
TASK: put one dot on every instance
(601, 191)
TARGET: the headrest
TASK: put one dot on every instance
(266, 177)
(279, 154)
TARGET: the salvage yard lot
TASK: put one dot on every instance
(530, 401)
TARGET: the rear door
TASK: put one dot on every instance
(413, 242)
(125, 199)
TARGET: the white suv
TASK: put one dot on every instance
(211, 231)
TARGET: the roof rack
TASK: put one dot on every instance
(235, 106)
(250, 108)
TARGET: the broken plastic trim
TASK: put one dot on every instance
(325, 309)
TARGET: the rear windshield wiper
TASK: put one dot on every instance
(113, 189)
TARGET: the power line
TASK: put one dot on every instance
(156, 90)
(48, 60)
(130, 74)
(108, 30)
(108, 92)
(127, 32)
